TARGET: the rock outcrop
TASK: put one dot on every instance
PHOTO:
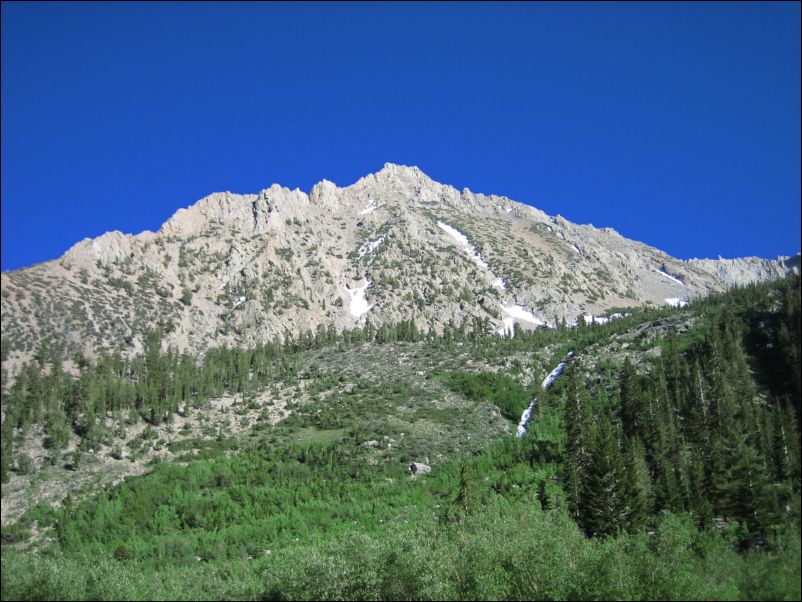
(239, 269)
(748, 269)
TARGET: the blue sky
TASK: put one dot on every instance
(676, 124)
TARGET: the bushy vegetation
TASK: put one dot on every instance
(509, 395)
(672, 478)
(509, 550)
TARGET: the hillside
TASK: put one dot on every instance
(662, 464)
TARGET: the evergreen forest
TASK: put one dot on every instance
(664, 463)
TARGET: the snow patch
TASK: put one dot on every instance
(359, 306)
(238, 302)
(466, 244)
(508, 209)
(575, 248)
(520, 313)
(468, 247)
(369, 248)
(369, 207)
(677, 302)
(507, 327)
(591, 319)
(662, 272)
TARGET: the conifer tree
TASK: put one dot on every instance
(606, 503)
(542, 496)
(640, 483)
(464, 502)
(578, 430)
(785, 444)
(632, 407)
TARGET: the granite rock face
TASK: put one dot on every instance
(239, 269)
(748, 269)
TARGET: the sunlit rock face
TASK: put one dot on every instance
(239, 269)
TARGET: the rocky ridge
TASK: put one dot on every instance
(239, 269)
(744, 270)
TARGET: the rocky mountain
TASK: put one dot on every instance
(748, 269)
(238, 269)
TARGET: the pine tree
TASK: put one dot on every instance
(542, 496)
(751, 502)
(578, 427)
(464, 502)
(640, 483)
(5, 453)
(785, 444)
(697, 420)
(632, 406)
(606, 503)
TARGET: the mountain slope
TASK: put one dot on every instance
(679, 413)
(394, 246)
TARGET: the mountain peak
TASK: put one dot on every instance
(324, 191)
(247, 268)
(403, 172)
(397, 168)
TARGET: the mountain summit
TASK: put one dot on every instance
(393, 247)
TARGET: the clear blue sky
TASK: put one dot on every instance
(676, 124)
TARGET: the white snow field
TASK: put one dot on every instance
(520, 313)
(359, 305)
(369, 207)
